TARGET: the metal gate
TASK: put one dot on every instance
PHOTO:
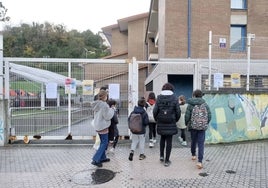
(37, 111)
(50, 98)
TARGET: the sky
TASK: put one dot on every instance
(80, 14)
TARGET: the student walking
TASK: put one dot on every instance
(113, 134)
(166, 113)
(138, 138)
(152, 124)
(102, 120)
(197, 118)
(181, 123)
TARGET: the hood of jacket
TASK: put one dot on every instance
(166, 92)
(195, 101)
(138, 110)
(97, 105)
(102, 115)
(166, 95)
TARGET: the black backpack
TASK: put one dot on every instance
(166, 113)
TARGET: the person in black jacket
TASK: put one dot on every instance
(166, 113)
(113, 134)
(139, 138)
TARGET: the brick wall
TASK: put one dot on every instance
(119, 41)
(136, 39)
(206, 15)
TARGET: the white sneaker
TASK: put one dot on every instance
(154, 141)
(180, 139)
(112, 150)
(96, 147)
(184, 143)
(151, 144)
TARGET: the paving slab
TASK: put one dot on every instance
(242, 164)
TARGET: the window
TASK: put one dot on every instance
(238, 38)
(238, 4)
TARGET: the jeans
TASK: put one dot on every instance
(198, 138)
(100, 154)
(138, 139)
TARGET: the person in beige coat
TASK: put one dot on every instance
(181, 123)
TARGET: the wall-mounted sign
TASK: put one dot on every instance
(218, 80)
(235, 80)
(222, 42)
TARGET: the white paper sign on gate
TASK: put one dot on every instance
(114, 91)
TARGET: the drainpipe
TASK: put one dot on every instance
(189, 27)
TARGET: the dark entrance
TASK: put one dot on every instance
(183, 84)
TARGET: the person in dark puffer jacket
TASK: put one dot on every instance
(166, 113)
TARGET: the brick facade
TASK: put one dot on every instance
(205, 16)
(183, 32)
(132, 41)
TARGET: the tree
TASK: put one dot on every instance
(48, 40)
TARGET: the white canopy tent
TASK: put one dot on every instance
(39, 75)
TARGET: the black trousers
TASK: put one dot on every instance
(166, 143)
(152, 130)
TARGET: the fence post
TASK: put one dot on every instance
(249, 37)
(133, 84)
(3, 102)
(69, 137)
(209, 59)
(197, 78)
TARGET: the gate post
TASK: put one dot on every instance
(3, 103)
(133, 83)
(209, 59)
(3, 100)
(2, 106)
(3, 123)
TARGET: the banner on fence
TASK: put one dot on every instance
(51, 90)
(114, 91)
(87, 87)
(218, 80)
(235, 80)
(70, 86)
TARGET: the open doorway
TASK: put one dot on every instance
(183, 84)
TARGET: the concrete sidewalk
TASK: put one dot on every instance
(225, 165)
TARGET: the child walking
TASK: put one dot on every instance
(113, 134)
(152, 124)
(181, 123)
(139, 138)
(198, 134)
